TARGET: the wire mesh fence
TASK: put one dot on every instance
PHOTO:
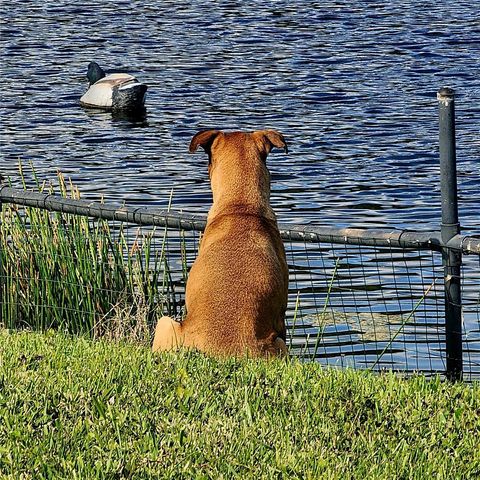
(367, 299)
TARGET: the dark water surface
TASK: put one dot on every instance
(352, 87)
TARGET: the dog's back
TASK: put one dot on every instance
(236, 291)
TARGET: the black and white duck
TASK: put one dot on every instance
(116, 91)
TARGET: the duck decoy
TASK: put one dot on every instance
(116, 91)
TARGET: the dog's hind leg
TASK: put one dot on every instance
(168, 335)
(281, 347)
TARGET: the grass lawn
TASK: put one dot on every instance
(75, 408)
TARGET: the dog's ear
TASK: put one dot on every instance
(203, 139)
(274, 139)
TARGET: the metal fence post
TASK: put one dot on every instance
(450, 227)
(2, 294)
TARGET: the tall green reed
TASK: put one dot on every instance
(322, 315)
(76, 274)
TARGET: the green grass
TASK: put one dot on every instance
(77, 408)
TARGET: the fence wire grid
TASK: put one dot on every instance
(352, 303)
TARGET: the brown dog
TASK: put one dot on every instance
(236, 293)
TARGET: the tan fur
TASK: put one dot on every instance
(236, 293)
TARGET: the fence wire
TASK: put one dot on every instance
(350, 305)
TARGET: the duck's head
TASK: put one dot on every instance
(94, 73)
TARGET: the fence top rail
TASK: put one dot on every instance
(429, 240)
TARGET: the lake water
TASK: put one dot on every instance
(351, 86)
(353, 89)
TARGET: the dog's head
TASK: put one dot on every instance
(237, 162)
(217, 142)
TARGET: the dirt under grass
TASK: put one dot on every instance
(76, 408)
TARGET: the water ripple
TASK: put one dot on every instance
(351, 86)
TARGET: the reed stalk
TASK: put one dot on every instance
(321, 317)
(409, 316)
(78, 275)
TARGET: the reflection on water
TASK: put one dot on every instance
(366, 327)
(126, 119)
